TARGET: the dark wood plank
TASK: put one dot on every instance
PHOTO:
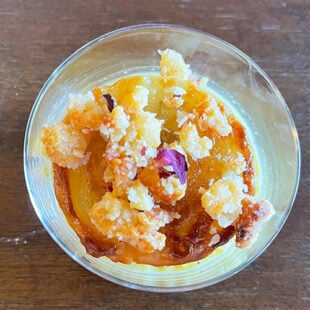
(35, 37)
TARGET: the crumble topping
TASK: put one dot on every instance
(172, 65)
(65, 145)
(139, 197)
(115, 127)
(115, 218)
(146, 166)
(254, 214)
(222, 201)
(183, 117)
(193, 144)
(212, 118)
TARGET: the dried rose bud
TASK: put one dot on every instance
(173, 158)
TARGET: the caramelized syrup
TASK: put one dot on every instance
(188, 238)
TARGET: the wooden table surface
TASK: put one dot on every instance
(35, 36)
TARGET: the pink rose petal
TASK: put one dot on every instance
(170, 157)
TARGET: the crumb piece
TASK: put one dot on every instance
(119, 123)
(194, 145)
(214, 240)
(83, 112)
(139, 197)
(175, 145)
(113, 150)
(148, 128)
(173, 187)
(173, 97)
(120, 172)
(115, 128)
(135, 100)
(172, 65)
(138, 102)
(65, 145)
(222, 201)
(254, 215)
(114, 218)
(143, 131)
(183, 117)
(212, 118)
(234, 163)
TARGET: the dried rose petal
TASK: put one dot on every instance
(110, 101)
(143, 150)
(163, 173)
(108, 188)
(169, 157)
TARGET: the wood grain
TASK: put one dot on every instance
(35, 37)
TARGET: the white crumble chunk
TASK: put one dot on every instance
(114, 218)
(172, 65)
(234, 164)
(84, 113)
(143, 133)
(65, 145)
(139, 197)
(194, 145)
(249, 223)
(222, 201)
(140, 97)
(213, 118)
(115, 129)
(173, 187)
(183, 117)
(173, 97)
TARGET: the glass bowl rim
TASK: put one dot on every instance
(84, 263)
